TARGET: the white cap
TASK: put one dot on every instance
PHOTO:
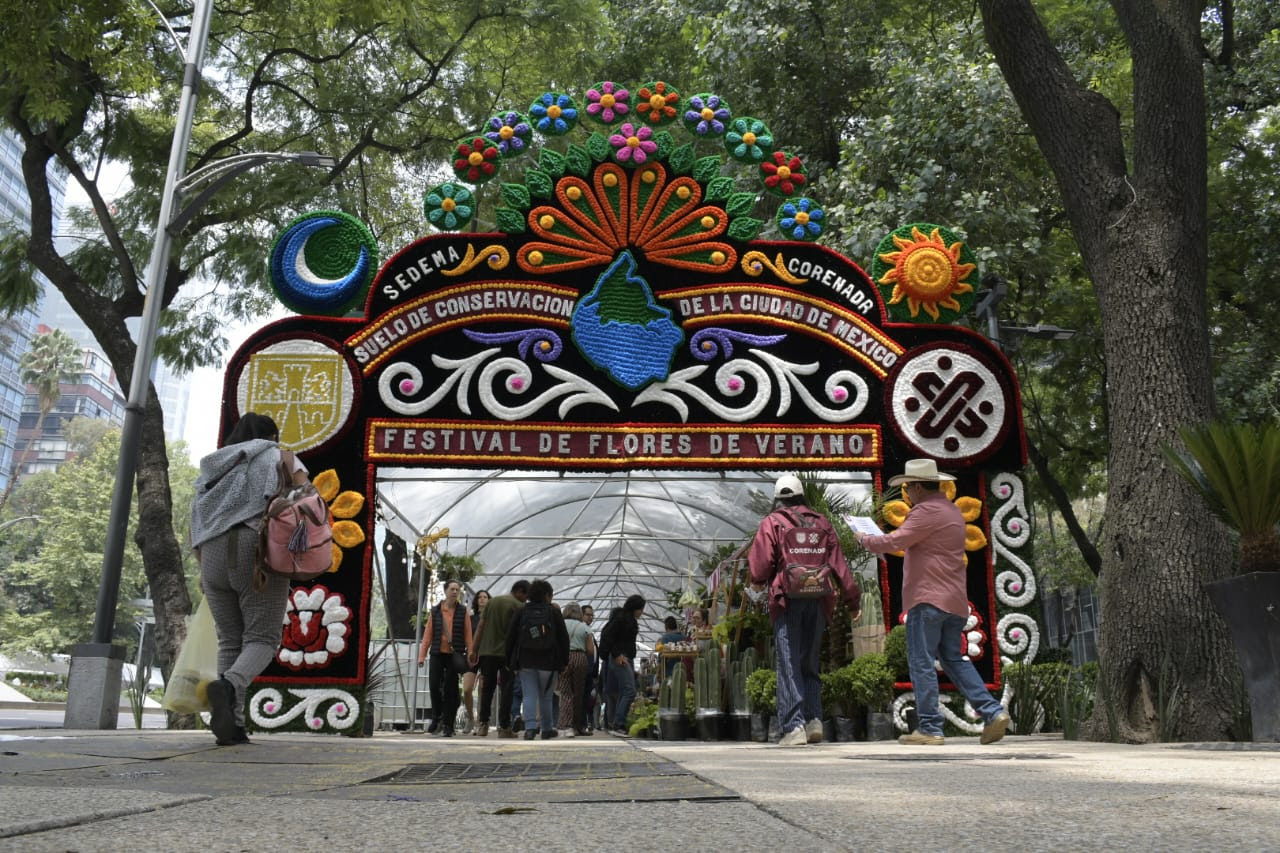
(788, 486)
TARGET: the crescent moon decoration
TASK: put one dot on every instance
(323, 263)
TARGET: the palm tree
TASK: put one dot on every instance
(1236, 469)
(54, 358)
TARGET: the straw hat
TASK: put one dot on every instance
(919, 471)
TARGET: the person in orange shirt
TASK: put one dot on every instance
(449, 645)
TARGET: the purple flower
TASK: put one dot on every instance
(706, 115)
(607, 102)
(510, 132)
(633, 144)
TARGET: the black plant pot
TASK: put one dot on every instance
(740, 726)
(829, 734)
(775, 729)
(880, 726)
(760, 727)
(709, 723)
(672, 725)
(844, 729)
(1250, 604)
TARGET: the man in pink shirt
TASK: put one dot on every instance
(936, 602)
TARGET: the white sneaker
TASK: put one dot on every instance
(795, 737)
(568, 733)
(813, 731)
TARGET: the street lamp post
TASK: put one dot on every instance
(94, 679)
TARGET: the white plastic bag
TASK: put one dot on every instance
(187, 689)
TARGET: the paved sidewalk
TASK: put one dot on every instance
(176, 791)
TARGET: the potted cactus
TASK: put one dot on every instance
(739, 705)
(672, 722)
(708, 693)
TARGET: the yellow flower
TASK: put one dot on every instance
(895, 513)
(342, 506)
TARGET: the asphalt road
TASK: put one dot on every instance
(21, 718)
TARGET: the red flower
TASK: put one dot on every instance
(785, 175)
(476, 161)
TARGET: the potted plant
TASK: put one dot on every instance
(836, 724)
(707, 692)
(739, 705)
(762, 693)
(869, 685)
(1236, 469)
(672, 722)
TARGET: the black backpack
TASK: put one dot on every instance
(537, 629)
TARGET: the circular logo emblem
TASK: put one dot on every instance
(304, 385)
(948, 403)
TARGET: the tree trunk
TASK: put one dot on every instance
(1143, 239)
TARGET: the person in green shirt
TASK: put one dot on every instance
(489, 651)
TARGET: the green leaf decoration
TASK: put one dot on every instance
(510, 221)
(745, 228)
(706, 170)
(578, 161)
(515, 195)
(598, 147)
(740, 204)
(665, 145)
(681, 160)
(541, 185)
(551, 162)
(719, 189)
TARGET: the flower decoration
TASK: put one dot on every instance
(316, 628)
(800, 219)
(783, 174)
(895, 512)
(449, 206)
(343, 506)
(607, 102)
(656, 103)
(476, 161)
(554, 113)
(975, 639)
(927, 267)
(747, 140)
(510, 131)
(632, 144)
(706, 115)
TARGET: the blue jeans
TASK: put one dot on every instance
(624, 682)
(538, 686)
(935, 634)
(797, 640)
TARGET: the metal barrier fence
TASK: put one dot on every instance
(398, 687)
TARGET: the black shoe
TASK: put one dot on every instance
(241, 737)
(222, 711)
(517, 723)
(582, 732)
(447, 731)
(548, 734)
(434, 727)
(530, 734)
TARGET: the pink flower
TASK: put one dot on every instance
(608, 103)
(633, 144)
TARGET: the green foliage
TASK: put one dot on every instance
(762, 691)
(867, 681)
(707, 679)
(1235, 468)
(895, 653)
(642, 717)
(463, 568)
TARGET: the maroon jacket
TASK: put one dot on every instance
(765, 559)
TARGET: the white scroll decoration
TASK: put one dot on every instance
(268, 710)
(729, 382)
(1010, 528)
(788, 376)
(519, 380)
(1019, 638)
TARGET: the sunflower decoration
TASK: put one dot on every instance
(925, 267)
(895, 511)
(343, 506)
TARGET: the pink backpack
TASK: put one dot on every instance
(296, 537)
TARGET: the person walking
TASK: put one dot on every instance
(235, 484)
(573, 680)
(936, 602)
(796, 558)
(490, 653)
(469, 680)
(448, 640)
(589, 690)
(619, 641)
(538, 648)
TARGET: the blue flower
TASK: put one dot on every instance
(510, 131)
(801, 219)
(554, 113)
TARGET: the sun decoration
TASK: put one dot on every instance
(476, 161)
(928, 272)
(449, 206)
(342, 506)
(895, 513)
(657, 103)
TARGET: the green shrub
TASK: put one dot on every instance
(868, 682)
(642, 717)
(762, 691)
(895, 653)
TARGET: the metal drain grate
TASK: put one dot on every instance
(922, 755)
(1231, 746)
(525, 771)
